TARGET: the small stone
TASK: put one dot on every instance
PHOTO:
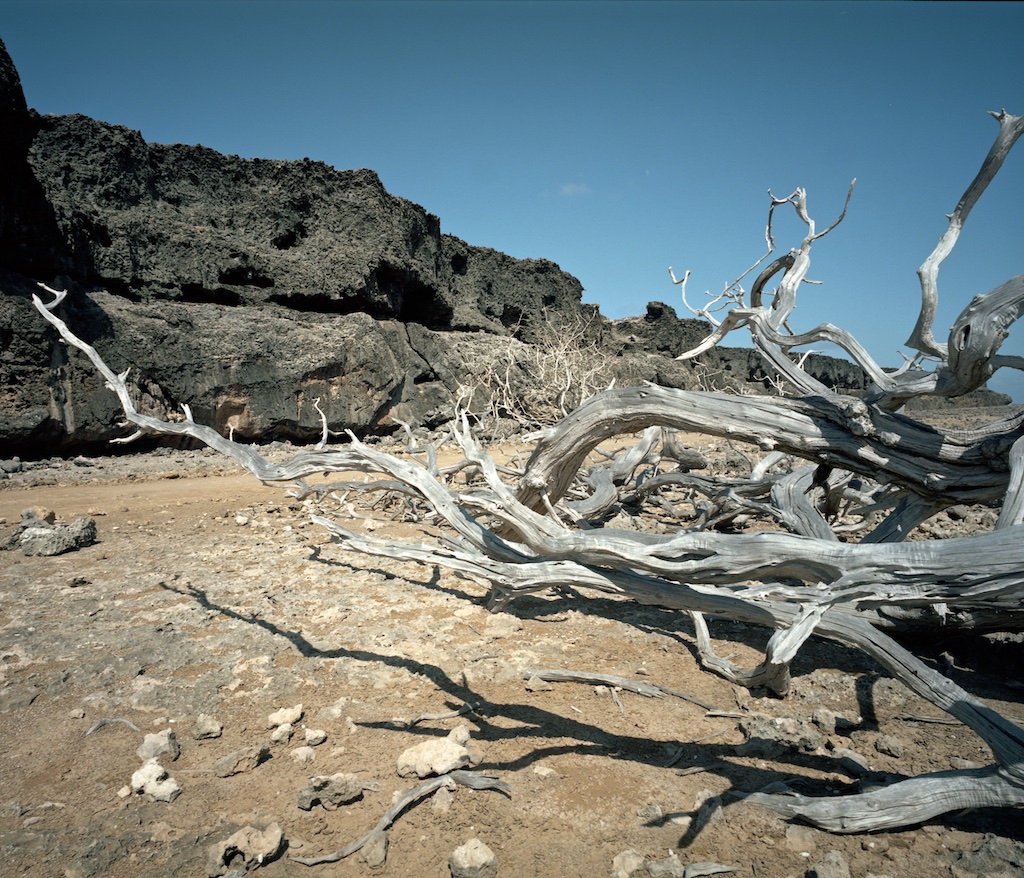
(436, 756)
(544, 772)
(374, 852)
(770, 737)
(164, 743)
(650, 813)
(473, 860)
(241, 761)
(77, 713)
(683, 821)
(315, 737)
(303, 755)
(670, 867)
(851, 761)
(335, 711)
(241, 520)
(206, 728)
(284, 715)
(536, 684)
(960, 763)
(153, 780)
(628, 864)
(36, 516)
(254, 846)
(441, 802)
(800, 838)
(12, 808)
(832, 865)
(282, 734)
(48, 540)
(825, 720)
(330, 791)
(889, 746)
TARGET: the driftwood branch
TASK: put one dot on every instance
(964, 363)
(1010, 129)
(472, 779)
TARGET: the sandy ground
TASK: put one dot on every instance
(210, 594)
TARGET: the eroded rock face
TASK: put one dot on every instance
(247, 288)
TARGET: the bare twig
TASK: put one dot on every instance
(472, 779)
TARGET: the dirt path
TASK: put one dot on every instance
(213, 595)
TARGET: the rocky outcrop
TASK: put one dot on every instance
(248, 288)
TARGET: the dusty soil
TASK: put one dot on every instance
(209, 593)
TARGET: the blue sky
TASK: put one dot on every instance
(614, 138)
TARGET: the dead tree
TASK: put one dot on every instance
(853, 463)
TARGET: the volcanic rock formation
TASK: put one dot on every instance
(249, 287)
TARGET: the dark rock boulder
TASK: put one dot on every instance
(247, 288)
(651, 343)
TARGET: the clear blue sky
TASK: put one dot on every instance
(614, 138)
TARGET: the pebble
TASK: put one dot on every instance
(241, 761)
(254, 847)
(285, 715)
(825, 720)
(11, 808)
(473, 860)
(889, 746)
(650, 813)
(628, 864)
(851, 761)
(374, 852)
(436, 756)
(330, 791)
(315, 737)
(832, 865)
(282, 734)
(303, 755)
(153, 780)
(164, 743)
(206, 727)
(800, 838)
(336, 711)
(670, 867)
(441, 802)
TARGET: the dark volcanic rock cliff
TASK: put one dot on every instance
(248, 288)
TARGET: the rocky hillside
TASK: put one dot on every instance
(248, 288)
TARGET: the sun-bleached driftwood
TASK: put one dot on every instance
(842, 483)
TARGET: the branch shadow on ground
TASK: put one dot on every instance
(568, 735)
